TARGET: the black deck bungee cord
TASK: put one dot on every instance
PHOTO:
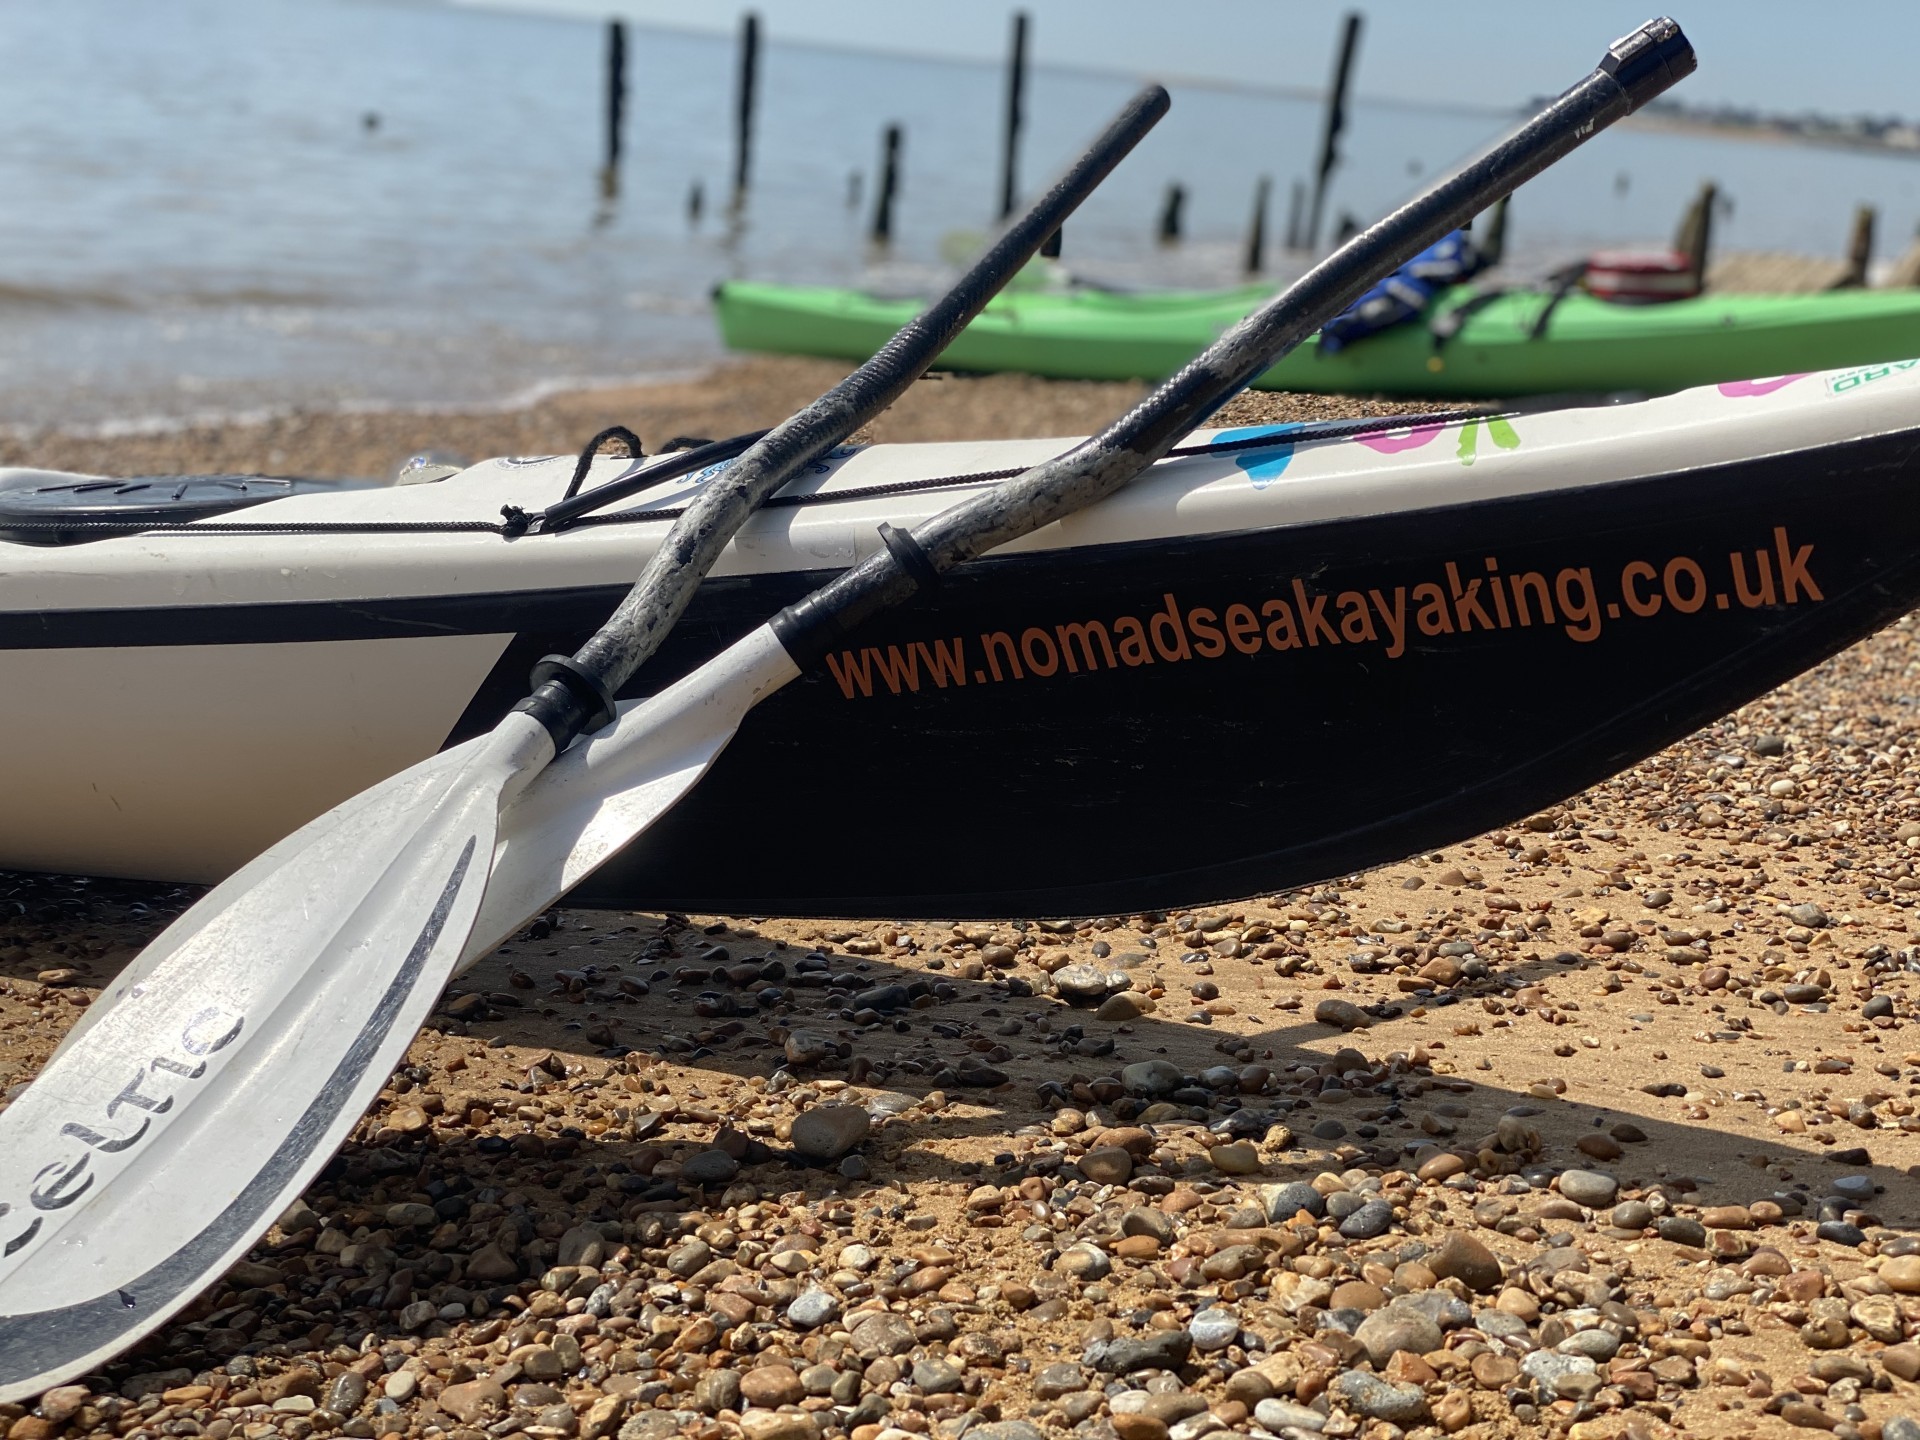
(518, 522)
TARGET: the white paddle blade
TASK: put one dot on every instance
(588, 804)
(153, 1152)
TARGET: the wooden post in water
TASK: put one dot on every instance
(743, 117)
(616, 105)
(1296, 216)
(1335, 123)
(1257, 229)
(1492, 243)
(1170, 213)
(889, 187)
(1016, 116)
(1695, 236)
(1859, 247)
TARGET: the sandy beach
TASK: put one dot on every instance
(1601, 1124)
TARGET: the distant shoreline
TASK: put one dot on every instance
(1768, 134)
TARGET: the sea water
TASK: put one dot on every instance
(221, 206)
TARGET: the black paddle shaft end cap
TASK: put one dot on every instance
(568, 699)
(1650, 61)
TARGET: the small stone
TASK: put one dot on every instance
(1631, 1215)
(881, 1334)
(63, 1402)
(538, 1362)
(344, 1396)
(1163, 1350)
(1387, 1332)
(1839, 1232)
(1279, 1416)
(779, 1425)
(717, 1390)
(1061, 1378)
(1463, 1258)
(1107, 1165)
(1081, 984)
(1806, 1417)
(1214, 1328)
(1681, 1230)
(1901, 1361)
(771, 1386)
(824, 1133)
(1372, 1219)
(812, 1308)
(937, 1377)
(1151, 1079)
(1236, 1159)
(807, 1047)
(1341, 1015)
(1085, 1262)
(1285, 1201)
(1592, 1188)
(1547, 1369)
(473, 1401)
(1124, 1006)
(1379, 1399)
(710, 1167)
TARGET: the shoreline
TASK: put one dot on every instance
(737, 395)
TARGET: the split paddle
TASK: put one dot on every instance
(602, 794)
(584, 806)
(234, 1055)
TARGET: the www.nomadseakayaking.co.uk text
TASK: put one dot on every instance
(1299, 617)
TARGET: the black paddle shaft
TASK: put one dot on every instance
(572, 696)
(1634, 71)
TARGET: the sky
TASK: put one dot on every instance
(1772, 55)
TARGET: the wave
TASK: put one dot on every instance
(523, 398)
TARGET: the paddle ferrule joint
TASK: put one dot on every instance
(568, 699)
(910, 556)
(809, 628)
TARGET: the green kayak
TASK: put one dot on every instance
(1587, 344)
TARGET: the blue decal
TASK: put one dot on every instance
(1263, 465)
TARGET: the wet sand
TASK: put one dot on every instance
(1601, 1124)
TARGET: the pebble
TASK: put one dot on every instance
(1370, 1221)
(1279, 1416)
(1386, 1333)
(1152, 1078)
(1377, 1399)
(1166, 1350)
(1591, 1188)
(1214, 1328)
(1342, 1015)
(812, 1308)
(1285, 1201)
(824, 1133)
(1108, 1165)
(710, 1167)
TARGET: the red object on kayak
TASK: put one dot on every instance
(1641, 277)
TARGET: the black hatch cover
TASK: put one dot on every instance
(63, 509)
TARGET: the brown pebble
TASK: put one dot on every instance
(1493, 1372)
(1600, 1147)
(771, 1386)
